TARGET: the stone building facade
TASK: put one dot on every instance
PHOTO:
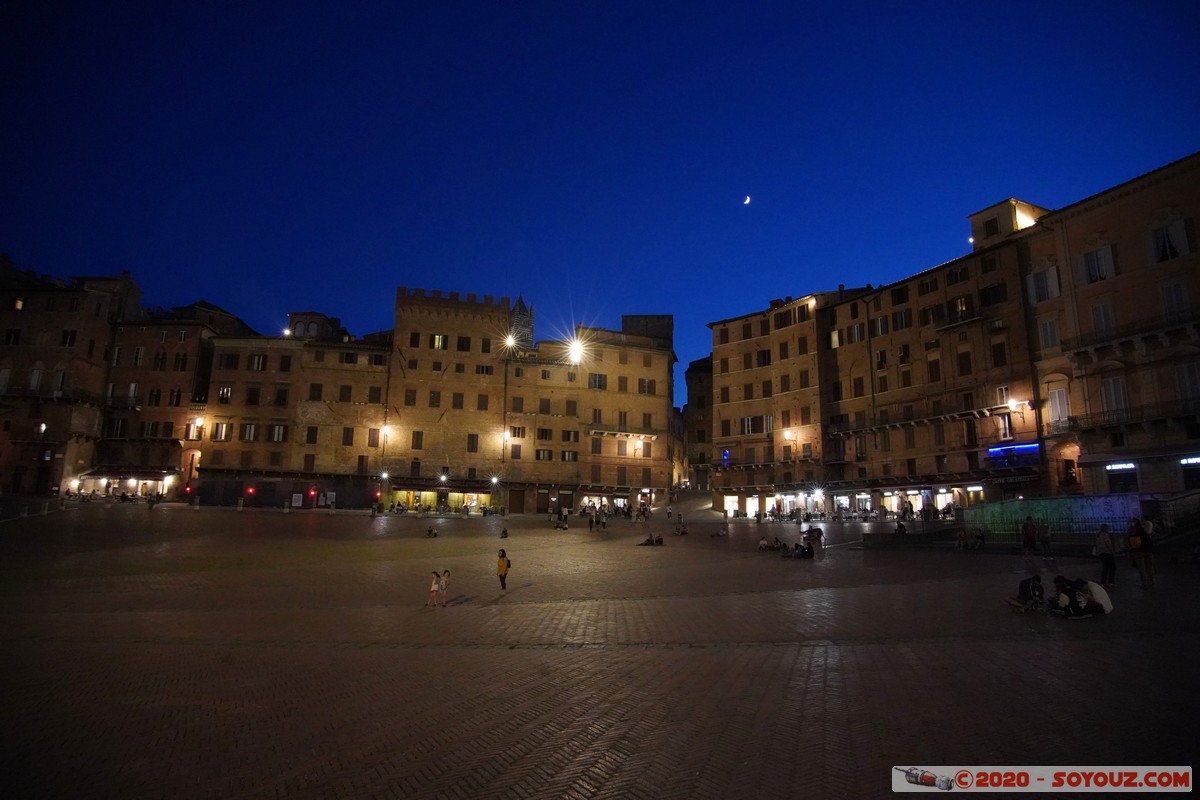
(1059, 356)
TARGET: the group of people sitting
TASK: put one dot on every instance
(651, 540)
(1073, 598)
(802, 549)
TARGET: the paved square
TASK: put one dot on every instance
(214, 653)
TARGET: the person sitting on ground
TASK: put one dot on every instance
(683, 530)
(787, 552)
(763, 544)
(1030, 595)
(1097, 596)
(658, 539)
(901, 528)
(777, 545)
(1069, 601)
(430, 533)
(649, 540)
(806, 550)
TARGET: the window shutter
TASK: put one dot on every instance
(1148, 245)
(1110, 256)
(1031, 289)
(1177, 232)
(1052, 282)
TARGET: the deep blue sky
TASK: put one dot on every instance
(592, 156)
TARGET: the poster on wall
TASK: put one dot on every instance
(297, 500)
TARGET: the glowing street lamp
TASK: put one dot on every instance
(575, 351)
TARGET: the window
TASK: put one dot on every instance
(1112, 390)
(783, 350)
(464, 344)
(438, 341)
(835, 339)
(515, 452)
(518, 404)
(1168, 242)
(481, 402)
(785, 383)
(597, 380)
(544, 434)
(483, 369)
(248, 432)
(418, 440)
(180, 362)
(315, 390)
(1098, 265)
(1174, 300)
(435, 398)
(1048, 333)
(516, 432)
(856, 333)
(999, 354)
(934, 369)
(993, 295)
(597, 416)
(347, 436)
(932, 315)
(544, 405)
(802, 346)
(221, 432)
(258, 362)
(68, 340)
(597, 445)
(1059, 410)
(410, 397)
(344, 394)
(472, 442)
(956, 275)
(747, 391)
(572, 408)
(647, 386)
(1102, 318)
(902, 319)
(1187, 380)
(372, 437)
(570, 455)
(175, 398)
(541, 454)
(277, 433)
(227, 361)
(1004, 426)
(310, 434)
(622, 447)
(285, 363)
(927, 285)
(647, 420)
(456, 400)
(964, 363)
(959, 308)
(159, 362)
(623, 420)
(253, 393)
(991, 226)
(879, 325)
(570, 436)
(622, 383)
(14, 337)
(899, 295)
(1042, 286)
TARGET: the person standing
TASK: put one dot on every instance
(1028, 536)
(503, 564)
(442, 583)
(1141, 544)
(1106, 549)
(433, 589)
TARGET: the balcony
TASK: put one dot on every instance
(1160, 325)
(1178, 411)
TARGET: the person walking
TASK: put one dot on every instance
(503, 564)
(433, 589)
(442, 583)
(1106, 549)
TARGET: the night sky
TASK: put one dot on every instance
(592, 156)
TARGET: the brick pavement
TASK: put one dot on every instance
(187, 654)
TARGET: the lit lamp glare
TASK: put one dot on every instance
(575, 351)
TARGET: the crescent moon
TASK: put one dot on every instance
(746, 202)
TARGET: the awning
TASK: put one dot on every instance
(1145, 454)
(128, 473)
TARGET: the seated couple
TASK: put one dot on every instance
(801, 550)
(651, 540)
